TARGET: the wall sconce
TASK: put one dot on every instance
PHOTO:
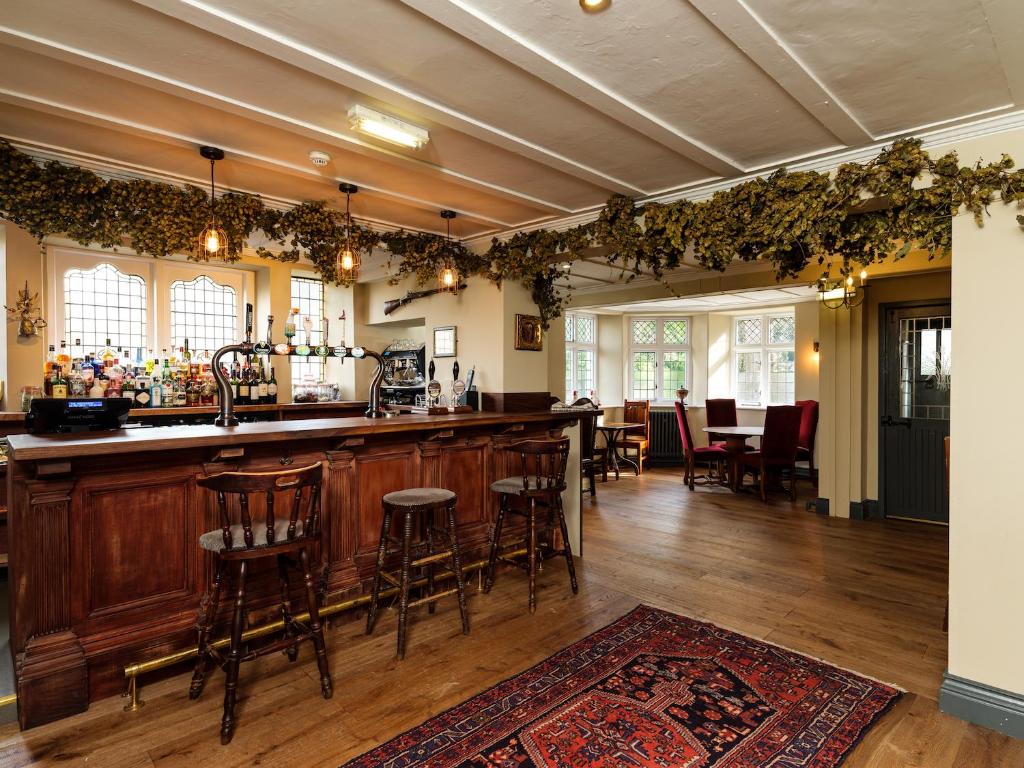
(817, 350)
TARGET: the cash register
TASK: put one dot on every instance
(52, 415)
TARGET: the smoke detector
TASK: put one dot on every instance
(319, 158)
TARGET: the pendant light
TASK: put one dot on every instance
(348, 260)
(213, 241)
(448, 275)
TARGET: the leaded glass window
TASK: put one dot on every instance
(104, 303)
(764, 359)
(580, 355)
(660, 357)
(308, 296)
(644, 331)
(204, 312)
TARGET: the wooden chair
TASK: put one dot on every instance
(638, 438)
(808, 432)
(418, 507)
(592, 458)
(778, 448)
(538, 488)
(709, 455)
(238, 544)
(720, 412)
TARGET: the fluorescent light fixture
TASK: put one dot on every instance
(387, 128)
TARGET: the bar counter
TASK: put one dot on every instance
(105, 565)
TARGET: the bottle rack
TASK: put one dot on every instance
(226, 416)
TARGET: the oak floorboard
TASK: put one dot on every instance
(866, 595)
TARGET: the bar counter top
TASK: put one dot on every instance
(142, 439)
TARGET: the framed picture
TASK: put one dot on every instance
(529, 334)
(446, 342)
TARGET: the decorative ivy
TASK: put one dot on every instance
(861, 214)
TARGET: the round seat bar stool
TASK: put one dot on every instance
(418, 508)
(235, 545)
(536, 491)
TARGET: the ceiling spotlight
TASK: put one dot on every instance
(386, 127)
(595, 6)
(319, 158)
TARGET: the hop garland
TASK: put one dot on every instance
(862, 214)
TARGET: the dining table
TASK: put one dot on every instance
(736, 444)
(613, 432)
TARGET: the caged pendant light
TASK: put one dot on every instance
(348, 259)
(213, 241)
(448, 274)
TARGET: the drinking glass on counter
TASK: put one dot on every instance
(28, 394)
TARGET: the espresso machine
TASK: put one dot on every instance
(404, 372)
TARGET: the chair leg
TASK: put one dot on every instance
(382, 550)
(691, 466)
(592, 479)
(792, 482)
(431, 606)
(531, 552)
(813, 472)
(403, 602)
(566, 548)
(316, 628)
(763, 479)
(227, 726)
(292, 651)
(492, 560)
(207, 613)
(460, 582)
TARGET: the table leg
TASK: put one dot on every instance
(613, 452)
(737, 446)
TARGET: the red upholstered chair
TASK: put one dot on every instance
(778, 448)
(808, 431)
(720, 412)
(638, 438)
(707, 455)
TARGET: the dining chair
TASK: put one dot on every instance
(778, 448)
(720, 412)
(592, 458)
(707, 455)
(808, 431)
(638, 438)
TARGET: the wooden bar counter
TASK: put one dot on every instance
(105, 564)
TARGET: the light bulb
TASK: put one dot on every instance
(213, 242)
(346, 261)
(863, 276)
(849, 280)
(447, 277)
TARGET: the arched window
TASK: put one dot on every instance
(104, 303)
(204, 312)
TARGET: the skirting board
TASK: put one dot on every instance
(982, 705)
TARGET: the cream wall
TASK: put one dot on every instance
(25, 356)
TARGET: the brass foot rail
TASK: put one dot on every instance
(132, 671)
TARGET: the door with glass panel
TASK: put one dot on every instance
(916, 375)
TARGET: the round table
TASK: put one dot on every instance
(612, 431)
(736, 444)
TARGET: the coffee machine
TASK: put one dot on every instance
(404, 372)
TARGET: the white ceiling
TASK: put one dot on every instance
(738, 301)
(536, 110)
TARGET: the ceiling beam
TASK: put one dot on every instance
(489, 33)
(748, 32)
(157, 81)
(241, 30)
(1006, 23)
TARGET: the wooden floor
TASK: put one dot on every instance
(868, 596)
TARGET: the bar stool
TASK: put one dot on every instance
(240, 543)
(541, 482)
(422, 506)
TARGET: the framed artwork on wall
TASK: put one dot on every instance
(446, 341)
(529, 333)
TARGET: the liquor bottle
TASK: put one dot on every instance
(168, 386)
(59, 388)
(235, 383)
(303, 350)
(128, 385)
(51, 360)
(150, 362)
(180, 391)
(64, 359)
(156, 390)
(182, 361)
(48, 380)
(98, 387)
(107, 355)
(207, 387)
(167, 366)
(192, 392)
(243, 388)
(76, 387)
(77, 349)
(272, 388)
(264, 389)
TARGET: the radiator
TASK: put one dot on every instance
(666, 447)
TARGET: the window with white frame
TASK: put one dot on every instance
(104, 303)
(659, 357)
(580, 355)
(764, 359)
(308, 297)
(204, 312)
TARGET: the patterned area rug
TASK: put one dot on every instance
(654, 690)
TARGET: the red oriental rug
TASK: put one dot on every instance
(654, 690)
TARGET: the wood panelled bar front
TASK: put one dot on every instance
(105, 564)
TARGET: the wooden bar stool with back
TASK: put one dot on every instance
(241, 543)
(539, 486)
